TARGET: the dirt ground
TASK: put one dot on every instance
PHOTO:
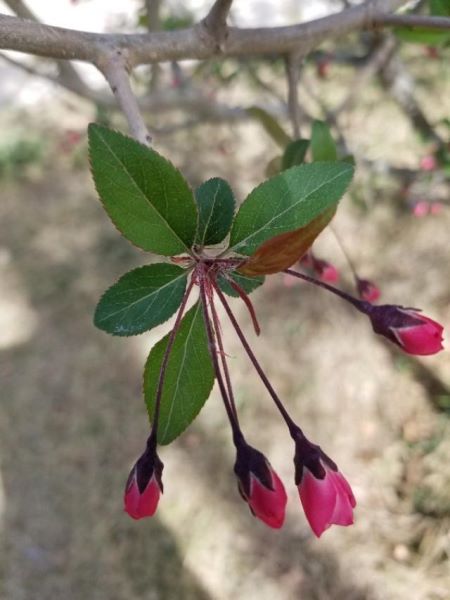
(72, 418)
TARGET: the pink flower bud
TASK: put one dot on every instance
(428, 163)
(436, 208)
(144, 484)
(326, 271)
(325, 494)
(421, 208)
(260, 486)
(367, 290)
(413, 332)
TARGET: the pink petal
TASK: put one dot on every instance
(318, 498)
(421, 209)
(268, 505)
(422, 339)
(343, 510)
(139, 505)
(343, 483)
(329, 274)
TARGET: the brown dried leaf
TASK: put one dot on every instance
(282, 251)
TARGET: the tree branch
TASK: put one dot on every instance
(380, 55)
(192, 43)
(216, 20)
(396, 79)
(68, 75)
(414, 21)
(115, 70)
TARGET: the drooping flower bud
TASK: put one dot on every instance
(428, 163)
(367, 290)
(325, 494)
(323, 269)
(260, 486)
(326, 271)
(413, 332)
(421, 208)
(144, 485)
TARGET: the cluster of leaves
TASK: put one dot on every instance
(152, 205)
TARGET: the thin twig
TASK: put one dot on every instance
(152, 8)
(216, 20)
(381, 54)
(293, 67)
(414, 21)
(114, 68)
(358, 304)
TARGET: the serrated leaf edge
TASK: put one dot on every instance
(94, 127)
(185, 273)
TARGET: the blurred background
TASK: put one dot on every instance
(72, 417)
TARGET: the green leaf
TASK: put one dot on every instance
(294, 153)
(422, 35)
(248, 284)
(141, 299)
(271, 125)
(189, 376)
(286, 202)
(215, 202)
(323, 146)
(440, 8)
(145, 196)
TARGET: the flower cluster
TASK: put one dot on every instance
(326, 497)
(325, 494)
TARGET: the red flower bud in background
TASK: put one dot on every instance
(323, 269)
(428, 163)
(436, 208)
(413, 332)
(260, 486)
(326, 271)
(367, 290)
(325, 494)
(144, 485)
(421, 208)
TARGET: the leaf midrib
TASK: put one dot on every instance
(129, 306)
(202, 241)
(177, 383)
(147, 200)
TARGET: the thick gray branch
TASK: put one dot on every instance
(193, 43)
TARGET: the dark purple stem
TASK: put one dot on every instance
(225, 370)
(237, 434)
(165, 359)
(361, 305)
(293, 428)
